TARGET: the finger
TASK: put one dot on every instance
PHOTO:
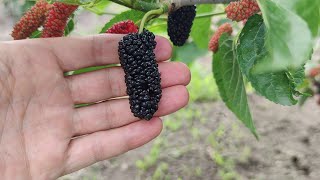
(117, 113)
(75, 53)
(102, 145)
(110, 83)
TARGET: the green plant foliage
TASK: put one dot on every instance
(69, 28)
(36, 34)
(133, 15)
(201, 31)
(230, 82)
(307, 9)
(158, 26)
(99, 7)
(187, 53)
(202, 86)
(289, 39)
(275, 86)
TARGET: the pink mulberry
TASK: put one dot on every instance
(214, 41)
(123, 27)
(57, 18)
(31, 21)
(242, 10)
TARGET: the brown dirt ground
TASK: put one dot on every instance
(288, 149)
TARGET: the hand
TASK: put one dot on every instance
(42, 135)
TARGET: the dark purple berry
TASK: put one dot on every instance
(142, 76)
(180, 23)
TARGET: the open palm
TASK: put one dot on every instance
(42, 135)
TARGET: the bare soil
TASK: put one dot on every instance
(288, 149)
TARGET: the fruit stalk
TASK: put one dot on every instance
(149, 14)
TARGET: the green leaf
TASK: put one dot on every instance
(297, 76)
(99, 7)
(69, 28)
(230, 82)
(187, 53)
(133, 15)
(36, 34)
(279, 86)
(157, 26)
(306, 9)
(289, 39)
(201, 31)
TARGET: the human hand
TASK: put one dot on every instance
(42, 135)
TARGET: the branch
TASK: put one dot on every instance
(179, 3)
(146, 6)
(139, 5)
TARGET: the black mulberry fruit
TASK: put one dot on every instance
(142, 76)
(179, 24)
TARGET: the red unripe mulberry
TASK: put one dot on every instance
(314, 72)
(214, 41)
(31, 21)
(57, 18)
(242, 10)
(123, 27)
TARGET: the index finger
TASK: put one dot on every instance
(79, 52)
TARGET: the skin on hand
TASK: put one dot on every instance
(42, 135)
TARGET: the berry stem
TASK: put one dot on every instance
(210, 15)
(147, 15)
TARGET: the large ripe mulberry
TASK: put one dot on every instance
(242, 10)
(142, 76)
(57, 18)
(123, 27)
(31, 21)
(214, 41)
(180, 23)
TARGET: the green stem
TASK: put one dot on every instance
(210, 15)
(147, 15)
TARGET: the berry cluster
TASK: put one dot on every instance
(56, 20)
(214, 41)
(53, 17)
(242, 10)
(142, 76)
(180, 23)
(31, 21)
(123, 27)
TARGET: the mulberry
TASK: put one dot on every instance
(242, 10)
(314, 72)
(57, 18)
(180, 24)
(123, 27)
(214, 41)
(31, 21)
(142, 76)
